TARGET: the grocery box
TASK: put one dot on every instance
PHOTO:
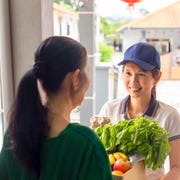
(137, 172)
(137, 138)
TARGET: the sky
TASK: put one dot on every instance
(120, 8)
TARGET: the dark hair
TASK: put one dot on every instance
(155, 73)
(28, 127)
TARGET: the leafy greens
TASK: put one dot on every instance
(139, 135)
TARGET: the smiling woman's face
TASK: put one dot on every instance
(137, 82)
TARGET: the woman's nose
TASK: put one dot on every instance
(134, 79)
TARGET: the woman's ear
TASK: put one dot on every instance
(75, 79)
(158, 77)
(42, 92)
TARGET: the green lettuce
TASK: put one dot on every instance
(140, 135)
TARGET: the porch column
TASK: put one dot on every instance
(6, 79)
(87, 38)
(31, 22)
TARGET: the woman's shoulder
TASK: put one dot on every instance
(83, 131)
(169, 118)
(79, 127)
(74, 132)
(167, 114)
(167, 108)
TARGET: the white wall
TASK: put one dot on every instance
(61, 20)
(131, 36)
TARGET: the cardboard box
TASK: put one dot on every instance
(137, 172)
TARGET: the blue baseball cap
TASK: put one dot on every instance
(143, 55)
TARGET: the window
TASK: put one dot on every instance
(162, 45)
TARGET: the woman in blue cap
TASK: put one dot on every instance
(141, 73)
(41, 143)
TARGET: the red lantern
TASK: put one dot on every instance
(131, 2)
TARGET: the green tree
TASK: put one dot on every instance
(106, 52)
(74, 4)
(109, 26)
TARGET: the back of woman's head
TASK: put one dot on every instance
(55, 57)
(28, 126)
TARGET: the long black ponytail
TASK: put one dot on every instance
(54, 58)
(28, 124)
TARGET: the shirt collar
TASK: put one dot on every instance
(151, 111)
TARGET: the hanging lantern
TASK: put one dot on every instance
(131, 2)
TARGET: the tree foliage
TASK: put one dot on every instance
(106, 52)
(109, 26)
(74, 4)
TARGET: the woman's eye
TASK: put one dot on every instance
(141, 75)
(127, 73)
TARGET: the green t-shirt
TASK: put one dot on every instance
(75, 154)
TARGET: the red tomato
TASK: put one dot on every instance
(121, 165)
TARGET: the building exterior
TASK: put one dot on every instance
(65, 22)
(160, 28)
